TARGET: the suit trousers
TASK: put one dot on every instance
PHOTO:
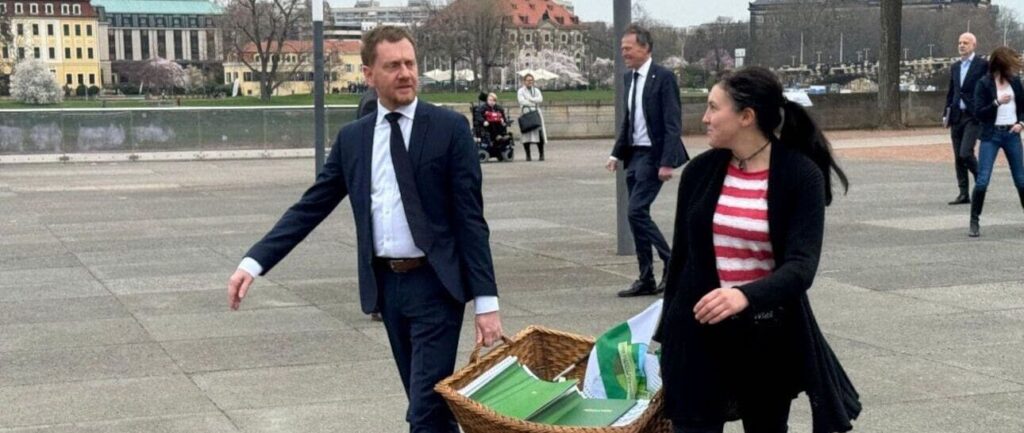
(643, 185)
(423, 322)
(965, 134)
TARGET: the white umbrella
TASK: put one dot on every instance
(539, 74)
(437, 74)
(465, 75)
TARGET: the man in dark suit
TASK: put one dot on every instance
(412, 177)
(650, 146)
(959, 113)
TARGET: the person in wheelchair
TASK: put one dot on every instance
(495, 122)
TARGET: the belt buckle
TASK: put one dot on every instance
(395, 266)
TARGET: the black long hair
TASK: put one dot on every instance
(757, 88)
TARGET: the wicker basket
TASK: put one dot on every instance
(547, 353)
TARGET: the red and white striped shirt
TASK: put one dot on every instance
(743, 250)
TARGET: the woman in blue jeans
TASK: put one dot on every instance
(999, 107)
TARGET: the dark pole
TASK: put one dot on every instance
(318, 82)
(623, 15)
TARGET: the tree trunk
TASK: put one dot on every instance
(265, 90)
(889, 65)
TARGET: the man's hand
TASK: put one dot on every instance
(238, 286)
(720, 304)
(611, 164)
(488, 328)
(665, 174)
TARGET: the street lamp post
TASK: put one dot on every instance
(318, 83)
(623, 10)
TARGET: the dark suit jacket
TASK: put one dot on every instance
(985, 109)
(775, 344)
(448, 175)
(978, 69)
(367, 103)
(663, 114)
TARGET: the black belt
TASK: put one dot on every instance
(1004, 127)
(400, 266)
(641, 149)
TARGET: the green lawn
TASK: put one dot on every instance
(505, 98)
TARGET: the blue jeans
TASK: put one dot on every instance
(989, 149)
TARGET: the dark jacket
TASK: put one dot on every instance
(775, 344)
(978, 69)
(367, 103)
(985, 109)
(448, 176)
(663, 114)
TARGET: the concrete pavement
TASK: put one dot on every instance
(113, 315)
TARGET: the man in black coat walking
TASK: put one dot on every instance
(959, 113)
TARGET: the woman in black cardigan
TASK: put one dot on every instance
(999, 107)
(746, 352)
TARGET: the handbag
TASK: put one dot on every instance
(529, 121)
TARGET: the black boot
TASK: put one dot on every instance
(1020, 193)
(526, 147)
(540, 150)
(977, 203)
(963, 198)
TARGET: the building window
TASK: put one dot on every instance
(33, 9)
(49, 29)
(161, 43)
(18, 9)
(159, 21)
(565, 38)
(193, 39)
(78, 30)
(92, 79)
(49, 8)
(78, 53)
(211, 47)
(176, 22)
(89, 52)
(128, 21)
(247, 76)
(143, 22)
(528, 37)
(192, 22)
(81, 78)
(88, 29)
(35, 29)
(129, 51)
(67, 53)
(53, 53)
(179, 45)
(112, 45)
(144, 45)
(4, 53)
(36, 53)
(77, 10)
(3, 8)
(68, 79)
(65, 10)
(21, 29)
(21, 53)
(67, 30)
(547, 38)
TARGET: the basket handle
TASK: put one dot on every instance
(475, 355)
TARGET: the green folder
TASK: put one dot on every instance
(574, 410)
(528, 398)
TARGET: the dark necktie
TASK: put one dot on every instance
(632, 109)
(406, 178)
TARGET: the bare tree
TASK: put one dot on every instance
(257, 32)
(889, 65)
(483, 22)
(442, 37)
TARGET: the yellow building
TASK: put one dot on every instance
(64, 34)
(341, 68)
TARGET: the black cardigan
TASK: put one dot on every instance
(775, 344)
(985, 109)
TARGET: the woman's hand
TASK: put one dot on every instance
(1017, 128)
(720, 304)
(1004, 99)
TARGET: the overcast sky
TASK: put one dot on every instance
(674, 12)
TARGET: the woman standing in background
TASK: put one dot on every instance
(530, 98)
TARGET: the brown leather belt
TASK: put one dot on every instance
(400, 266)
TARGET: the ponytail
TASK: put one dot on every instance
(757, 88)
(801, 133)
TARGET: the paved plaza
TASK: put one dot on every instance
(114, 319)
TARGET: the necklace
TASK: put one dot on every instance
(742, 162)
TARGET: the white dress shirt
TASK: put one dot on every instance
(392, 237)
(640, 137)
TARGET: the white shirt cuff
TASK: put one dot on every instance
(251, 266)
(613, 158)
(485, 304)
